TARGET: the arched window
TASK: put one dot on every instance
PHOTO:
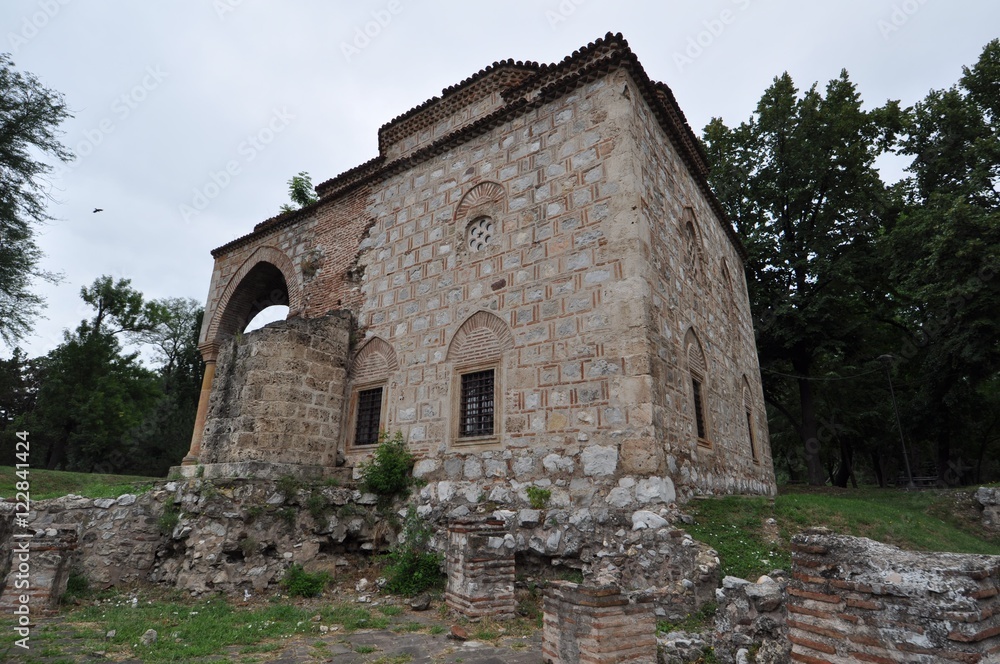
(693, 259)
(748, 413)
(369, 374)
(698, 374)
(476, 353)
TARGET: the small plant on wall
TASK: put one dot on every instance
(388, 474)
(538, 497)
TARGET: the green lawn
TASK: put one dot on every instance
(918, 520)
(55, 483)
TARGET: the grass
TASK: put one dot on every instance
(914, 520)
(55, 483)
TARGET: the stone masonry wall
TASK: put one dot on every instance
(697, 290)
(278, 394)
(582, 283)
(853, 599)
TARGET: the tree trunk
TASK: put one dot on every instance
(846, 470)
(810, 427)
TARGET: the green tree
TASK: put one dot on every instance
(165, 433)
(800, 183)
(91, 393)
(29, 116)
(301, 191)
(943, 255)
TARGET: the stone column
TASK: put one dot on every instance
(480, 569)
(596, 625)
(209, 353)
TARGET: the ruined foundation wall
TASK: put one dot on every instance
(852, 599)
(278, 394)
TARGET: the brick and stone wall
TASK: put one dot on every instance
(278, 394)
(480, 566)
(853, 599)
(582, 301)
(596, 625)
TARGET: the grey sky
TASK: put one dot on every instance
(167, 95)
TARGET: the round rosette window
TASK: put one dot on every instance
(479, 233)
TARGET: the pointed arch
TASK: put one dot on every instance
(698, 373)
(482, 337)
(694, 254)
(478, 221)
(490, 194)
(375, 360)
(751, 419)
(267, 277)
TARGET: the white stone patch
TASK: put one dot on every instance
(619, 497)
(554, 463)
(425, 467)
(599, 461)
(646, 519)
(655, 490)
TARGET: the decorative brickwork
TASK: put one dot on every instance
(549, 223)
(596, 625)
(480, 562)
(853, 599)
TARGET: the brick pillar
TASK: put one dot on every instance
(480, 569)
(596, 625)
(43, 563)
(209, 353)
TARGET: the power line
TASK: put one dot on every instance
(778, 373)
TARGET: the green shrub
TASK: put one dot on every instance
(169, 519)
(317, 506)
(538, 497)
(288, 486)
(388, 473)
(413, 567)
(300, 583)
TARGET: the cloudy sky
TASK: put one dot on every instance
(165, 95)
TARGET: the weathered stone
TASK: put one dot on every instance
(599, 461)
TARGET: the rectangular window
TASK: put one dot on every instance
(699, 413)
(753, 443)
(476, 407)
(369, 416)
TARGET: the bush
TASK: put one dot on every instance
(538, 497)
(413, 567)
(169, 519)
(300, 583)
(388, 473)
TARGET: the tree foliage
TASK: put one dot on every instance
(799, 180)
(93, 405)
(29, 117)
(301, 191)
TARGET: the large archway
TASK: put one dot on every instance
(267, 278)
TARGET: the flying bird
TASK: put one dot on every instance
(96, 210)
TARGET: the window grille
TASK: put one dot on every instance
(369, 416)
(699, 413)
(476, 417)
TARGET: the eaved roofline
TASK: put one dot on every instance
(553, 85)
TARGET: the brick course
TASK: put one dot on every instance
(592, 182)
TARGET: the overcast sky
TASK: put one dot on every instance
(166, 94)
